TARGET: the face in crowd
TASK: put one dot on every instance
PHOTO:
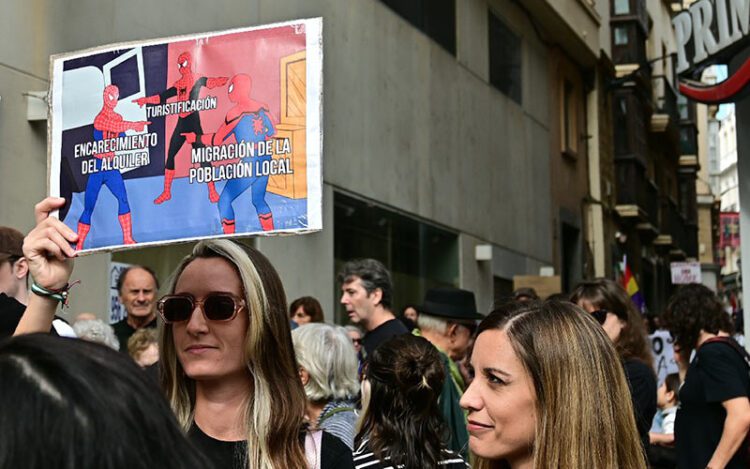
(301, 317)
(138, 293)
(356, 338)
(210, 349)
(501, 400)
(359, 304)
(612, 324)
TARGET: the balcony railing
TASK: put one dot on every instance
(673, 224)
(630, 126)
(623, 10)
(636, 195)
(691, 240)
(629, 44)
(664, 98)
(688, 139)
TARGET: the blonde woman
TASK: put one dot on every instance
(543, 395)
(228, 366)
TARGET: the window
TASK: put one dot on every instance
(621, 36)
(622, 7)
(505, 59)
(420, 256)
(436, 18)
(568, 119)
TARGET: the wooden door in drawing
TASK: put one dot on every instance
(292, 126)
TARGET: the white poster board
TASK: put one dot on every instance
(116, 309)
(663, 351)
(686, 272)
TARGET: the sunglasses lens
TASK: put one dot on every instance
(177, 308)
(219, 307)
(600, 315)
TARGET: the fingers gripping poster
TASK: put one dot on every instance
(208, 135)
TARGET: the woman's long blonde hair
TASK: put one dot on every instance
(274, 412)
(583, 409)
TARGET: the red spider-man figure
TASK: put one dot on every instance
(249, 121)
(186, 88)
(108, 124)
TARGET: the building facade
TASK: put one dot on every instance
(547, 134)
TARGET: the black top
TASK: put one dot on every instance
(123, 331)
(11, 311)
(642, 383)
(382, 333)
(334, 454)
(223, 454)
(717, 373)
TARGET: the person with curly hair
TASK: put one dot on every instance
(610, 305)
(402, 425)
(714, 414)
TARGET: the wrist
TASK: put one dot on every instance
(52, 294)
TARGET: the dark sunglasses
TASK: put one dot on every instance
(215, 307)
(357, 341)
(600, 315)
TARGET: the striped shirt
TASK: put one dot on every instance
(364, 458)
(339, 418)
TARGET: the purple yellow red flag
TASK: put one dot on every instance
(631, 286)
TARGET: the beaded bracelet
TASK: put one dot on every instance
(60, 295)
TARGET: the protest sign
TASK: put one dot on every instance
(116, 310)
(685, 273)
(663, 351)
(215, 134)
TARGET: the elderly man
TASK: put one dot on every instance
(367, 293)
(448, 319)
(138, 287)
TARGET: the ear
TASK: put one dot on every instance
(304, 376)
(21, 268)
(377, 295)
(452, 330)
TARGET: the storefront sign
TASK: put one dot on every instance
(711, 31)
(708, 28)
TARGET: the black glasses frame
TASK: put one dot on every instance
(600, 315)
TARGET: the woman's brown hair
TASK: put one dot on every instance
(310, 305)
(584, 415)
(607, 294)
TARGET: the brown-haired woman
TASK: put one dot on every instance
(545, 375)
(305, 310)
(714, 415)
(402, 425)
(611, 306)
(228, 365)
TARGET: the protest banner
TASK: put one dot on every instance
(215, 134)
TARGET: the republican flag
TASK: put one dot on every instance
(631, 286)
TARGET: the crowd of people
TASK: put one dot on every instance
(232, 376)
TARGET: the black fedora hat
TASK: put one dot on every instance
(450, 303)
